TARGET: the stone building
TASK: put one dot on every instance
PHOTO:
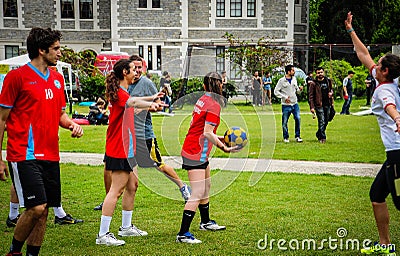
(159, 30)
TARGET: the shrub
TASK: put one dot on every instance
(92, 87)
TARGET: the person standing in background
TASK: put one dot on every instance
(347, 93)
(267, 82)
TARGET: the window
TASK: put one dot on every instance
(236, 8)
(220, 59)
(142, 3)
(150, 57)
(251, 8)
(158, 57)
(67, 9)
(141, 50)
(86, 9)
(146, 3)
(10, 8)
(297, 2)
(11, 51)
(155, 4)
(220, 8)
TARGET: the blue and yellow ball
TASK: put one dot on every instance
(235, 136)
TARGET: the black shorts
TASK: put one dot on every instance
(36, 182)
(189, 164)
(119, 164)
(148, 154)
(384, 182)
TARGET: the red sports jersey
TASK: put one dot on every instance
(36, 102)
(196, 146)
(121, 141)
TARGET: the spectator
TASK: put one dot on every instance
(267, 81)
(256, 88)
(321, 101)
(286, 90)
(347, 93)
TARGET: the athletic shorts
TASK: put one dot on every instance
(119, 164)
(36, 182)
(148, 154)
(384, 183)
(189, 164)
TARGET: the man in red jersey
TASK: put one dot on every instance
(32, 104)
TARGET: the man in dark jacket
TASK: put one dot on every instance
(321, 100)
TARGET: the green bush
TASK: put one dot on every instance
(92, 87)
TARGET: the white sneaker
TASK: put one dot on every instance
(212, 226)
(109, 240)
(187, 238)
(131, 231)
(185, 191)
(298, 139)
(286, 140)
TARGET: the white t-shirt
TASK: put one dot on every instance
(386, 94)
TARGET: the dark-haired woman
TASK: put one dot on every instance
(196, 148)
(120, 149)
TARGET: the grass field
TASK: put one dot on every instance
(281, 206)
(292, 208)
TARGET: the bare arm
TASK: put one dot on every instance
(67, 123)
(152, 103)
(214, 139)
(362, 51)
(394, 114)
(4, 112)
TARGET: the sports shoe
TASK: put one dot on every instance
(109, 239)
(211, 225)
(12, 222)
(98, 207)
(185, 191)
(286, 140)
(298, 139)
(66, 220)
(131, 231)
(187, 238)
(380, 249)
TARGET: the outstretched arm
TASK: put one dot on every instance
(152, 103)
(362, 51)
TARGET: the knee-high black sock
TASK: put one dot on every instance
(32, 250)
(204, 212)
(187, 218)
(16, 246)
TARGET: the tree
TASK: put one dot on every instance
(260, 56)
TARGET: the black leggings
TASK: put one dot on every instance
(384, 180)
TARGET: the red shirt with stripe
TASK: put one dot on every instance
(36, 102)
(120, 140)
(196, 146)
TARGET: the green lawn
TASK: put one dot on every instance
(293, 208)
(282, 206)
(350, 138)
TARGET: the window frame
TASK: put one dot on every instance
(11, 51)
(89, 15)
(10, 8)
(149, 4)
(220, 61)
(66, 14)
(253, 4)
(220, 8)
(236, 8)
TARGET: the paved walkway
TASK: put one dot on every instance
(252, 165)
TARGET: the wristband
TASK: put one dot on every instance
(350, 30)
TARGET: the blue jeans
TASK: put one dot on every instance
(286, 111)
(322, 115)
(346, 105)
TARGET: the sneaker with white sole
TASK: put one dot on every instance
(298, 139)
(212, 226)
(131, 231)
(185, 191)
(109, 239)
(286, 140)
(187, 238)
